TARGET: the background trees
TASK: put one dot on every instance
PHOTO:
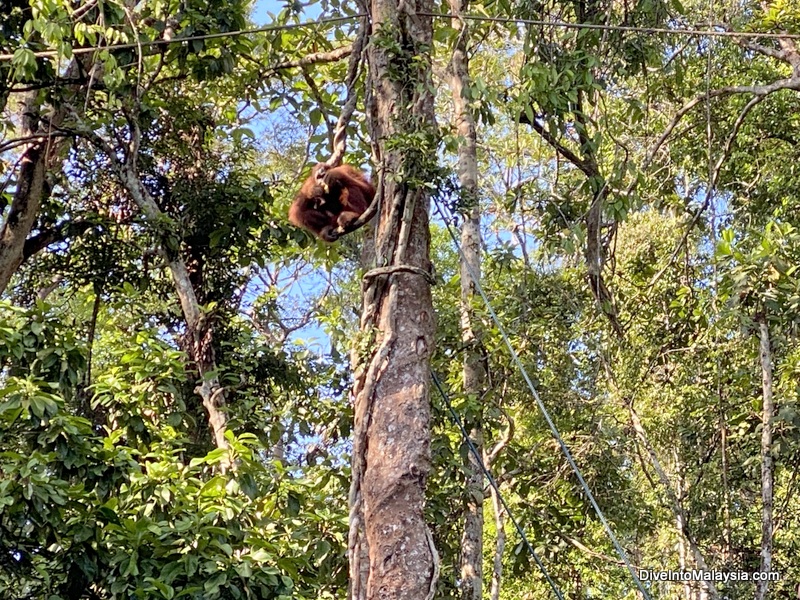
(173, 396)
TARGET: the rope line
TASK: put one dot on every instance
(630, 28)
(493, 483)
(192, 38)
(559, 24)
(545, 413)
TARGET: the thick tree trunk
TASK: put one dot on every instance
(391, 550)
(24, 208)
(767, 415)
(471, 560)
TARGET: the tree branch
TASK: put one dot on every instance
(491, 456)
(32, 139)
(792, 83)
(315, 58)
(45, 238)
(714, 176)
(586, 167)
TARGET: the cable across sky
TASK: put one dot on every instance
(679, 31)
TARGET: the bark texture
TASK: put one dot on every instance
(767, 415)
(471, 559)
(391, 550)
(31, 189)
(39, 124)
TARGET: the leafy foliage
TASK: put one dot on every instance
(110, 485)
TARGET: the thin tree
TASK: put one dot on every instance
(471, 559)
(124, 161)
(767, 476)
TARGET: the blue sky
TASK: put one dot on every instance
(262, 8)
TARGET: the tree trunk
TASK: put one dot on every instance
(390, 547)
(726, 495)
(499, 545)
(678, 511)
(24, 208)
(198, 330)
(199, 333)
(489, 459)
(30, 189)
(768, 413)
(471, 559)
(680, 525)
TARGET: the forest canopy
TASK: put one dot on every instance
(585, 229)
